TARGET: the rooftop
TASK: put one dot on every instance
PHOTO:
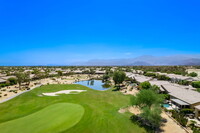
(197, 107)
(139, 78)
(2, 80)
(7, 77)
(186, 95)
(179, 102)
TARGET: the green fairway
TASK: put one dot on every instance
(100, 111)
(54, 118)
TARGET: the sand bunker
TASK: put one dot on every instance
(63, 92)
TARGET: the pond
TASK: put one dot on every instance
(94, 84)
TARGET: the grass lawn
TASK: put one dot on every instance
(53, 118)
(100, 111)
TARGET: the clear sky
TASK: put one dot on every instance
(41, 32)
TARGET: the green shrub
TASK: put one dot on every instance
(196, 130)
(12, 81)
(196, 84)
(186, 111)
(163, 77)
(184, 82)
(150, 74)
(145, 85)
(180, 118)
(166, 96)
(193, 74)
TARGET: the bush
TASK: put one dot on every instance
(166, 96)
(196, 84)
(163, 77)
(193, 74)
(196, 130)
(186, 111)
(184, 82)
(145, 85)
(150, 74)
(12, 81)
(180, 118)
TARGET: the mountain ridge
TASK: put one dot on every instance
(146, 60)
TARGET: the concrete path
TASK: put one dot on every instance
(170, 126)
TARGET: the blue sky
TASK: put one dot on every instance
(42, 32)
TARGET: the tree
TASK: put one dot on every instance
(152, 116)
(27, 78)
(149, 103)
(60, 73)
(106, 77)
(20, 78)
(119, 77)
(23, 77)
(146, 98)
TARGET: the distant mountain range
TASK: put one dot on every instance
(146, 61)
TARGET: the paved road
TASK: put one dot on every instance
(19, 93)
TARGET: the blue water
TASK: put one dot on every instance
(166, 105)
(94, 84)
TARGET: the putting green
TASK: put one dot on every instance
(52, 119)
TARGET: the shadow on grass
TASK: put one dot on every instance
(146, 125)
(116, 88)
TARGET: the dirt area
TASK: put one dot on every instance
(130, 91)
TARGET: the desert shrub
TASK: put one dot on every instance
(166, 96)
(12, 81)
(196, 130)
(3, 85)
(145, 85)
(196, 84)
(163, 77)
(186, 111)
(193, 74)
(150, 74)
(180, 118)
(184, 82)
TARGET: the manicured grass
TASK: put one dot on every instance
(101, 108)
(54, 118)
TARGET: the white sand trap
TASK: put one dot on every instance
(63, 92)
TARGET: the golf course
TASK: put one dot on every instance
(89, 111)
